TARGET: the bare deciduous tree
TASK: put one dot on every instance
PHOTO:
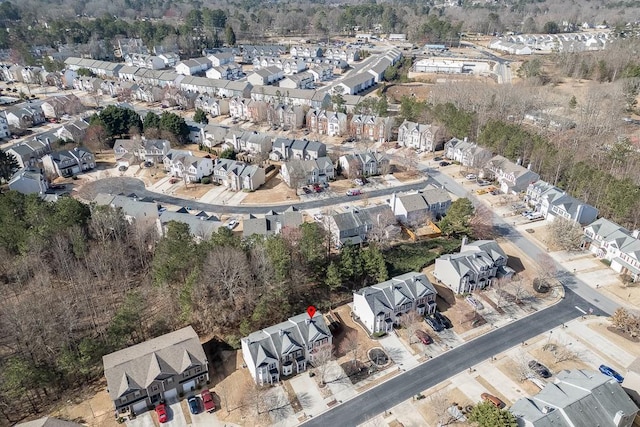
(565, 234)
(321, 358)
(351, 345)
(440, 404)
(411, 322)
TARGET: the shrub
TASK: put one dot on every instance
(206, 180)
(379, 334)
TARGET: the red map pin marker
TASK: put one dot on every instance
(311, 311)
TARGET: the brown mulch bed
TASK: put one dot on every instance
(623, 334)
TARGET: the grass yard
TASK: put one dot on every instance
(415, 256)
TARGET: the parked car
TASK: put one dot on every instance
(353, 192)
(539, 369)
(474, 303)
(527, 213)
(358, 181)
(194, 408)
(306, 190)
(437, 159)
(148, 164)
(434, 323)
(484, 183)
(423, 337)
(232, 224)
(471, 176)
(161, 411)
(207, 401)
(444, 320)
(444, 163)
(122, 168)
(174, 180)
(536, 216)
(611, 373)
(317, 188)
(493, 400)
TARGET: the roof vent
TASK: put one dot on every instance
(547, 409)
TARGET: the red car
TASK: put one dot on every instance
(161, 410)
(207, 401)
(424, 337)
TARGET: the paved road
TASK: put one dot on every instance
(117, 185)
(402, 387)
(507, 230)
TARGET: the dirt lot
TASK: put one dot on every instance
(274, 191)
(395, 92)
(444, 394)
(350, 327)
(193, 190)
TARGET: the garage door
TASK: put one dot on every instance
(171, 395)
(188, 386)
(140, 407)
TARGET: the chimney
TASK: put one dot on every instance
(636, 234)
(619, 418)
(529, 166)
(519, 161)
(281, 332)
(465, 139)
(307, 321)
(393, 200)
(464, 242)
(546, 409)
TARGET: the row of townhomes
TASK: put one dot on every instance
(615, 244)
(473, 268)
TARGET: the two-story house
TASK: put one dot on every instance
(238, 175)
(188, 167)
(128, 151)
(553, 202)
(285, 349)
(24, 116)
(467, 153)
(290, 117)
(303, 80)
(193, 66)
(621, 247)
(371, 128)
(367, 163)
(212, 135)
(299, 149)
(67, 163)
(272, 222)
(57, 106)
(74, 131)
(322, 72)
(325, 122)
(420, 137)
(161, 369)
(306, 51)
(265, 76)
(417, 208)
(296, 173)
(353, 227)
(29, 152)
(473, 268)
(381, 306)
(29, 181)
(212, 106)
(512, 177)
(239, 108)
(252, 142)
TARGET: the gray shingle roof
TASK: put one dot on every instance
(399, 290)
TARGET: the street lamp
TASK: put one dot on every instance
(548, 340)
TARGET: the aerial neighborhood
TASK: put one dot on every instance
(263, 216)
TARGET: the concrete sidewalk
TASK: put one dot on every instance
(397, 351)
(340, 385)
(308, 394)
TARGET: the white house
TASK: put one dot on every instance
(512, 177)
(285, 349)
(193, 66)
(416, 208)
(553, 202)
(238, 175)
(621, 247)
(381, 306)
(188, 167)
(419, 136)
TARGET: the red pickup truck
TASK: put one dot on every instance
(207, 401)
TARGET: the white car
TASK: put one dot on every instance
(471, 176)
(474, 303)
(232, 224)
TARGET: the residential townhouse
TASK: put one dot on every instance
(419, 136)
(68, 163)
(251, 142)
(300, 149)
(272, 222)
(28, 153)
(347, 55)
(265, 76)
(170, 59)
(302, 97)
(619, 246)
(201, 225)
(5, 132)
(380, 307)
(306, 51)
(188, 167)
(215, 87)
(378, 69)
(144, 93)
(193, 66)
(32, 75)
(416, 208)
(130, 151)
(238, 175)
(57, 106)
(366, 163)
(225, 72)
(142, 213)
(288, 116)
(99, 68)
(24, 116)
(142, 60)
(29, 181)
(473, 268)
(212, 135)
(512, 177)
(285, 349)
(321, 72)
(257, 111)
(87, 84)
(325, 122)
(221, 58)
(296, 173)
(249, 52)
(353, 227)
(239, 108)
(372, 128)
(162, 369)
(577, 398)
(303, 80)
(73, 131)
(553, 202)
(467, 153)
(355, 84)
(212, 106)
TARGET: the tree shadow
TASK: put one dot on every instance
(515, 263)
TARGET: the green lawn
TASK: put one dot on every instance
(415, 256)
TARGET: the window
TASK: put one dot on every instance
(169, 380)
